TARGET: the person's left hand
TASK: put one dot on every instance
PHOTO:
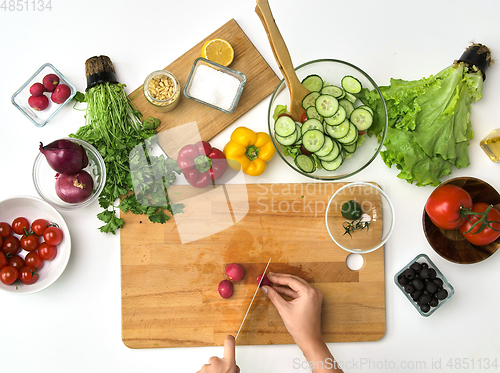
(225, 365)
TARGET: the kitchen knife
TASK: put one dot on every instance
(251, 302)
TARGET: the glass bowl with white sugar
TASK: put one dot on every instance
(214, 85)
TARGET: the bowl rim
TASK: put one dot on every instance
(393, 220)
(67, 235)
(68, 207)
(281, 85)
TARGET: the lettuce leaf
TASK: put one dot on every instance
(429, 126)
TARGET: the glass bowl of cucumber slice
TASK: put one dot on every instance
(340, 132)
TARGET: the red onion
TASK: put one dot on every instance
(74, 188)
(65, 156)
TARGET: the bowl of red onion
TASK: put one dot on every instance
(69, 173)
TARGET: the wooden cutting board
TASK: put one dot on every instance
(169, 288)
(260, 83)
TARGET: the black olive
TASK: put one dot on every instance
(425, 307)
(409, 288)
(432, 273)
(425, 266)
(416, 266)
(438, 282)
(431, 287)
(442, 294)
(409, 274)
(433, 302)
(418, 284)
(416, 294)
(402, 280)
(424, 273)
(425, 298)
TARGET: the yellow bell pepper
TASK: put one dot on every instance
(249, 150)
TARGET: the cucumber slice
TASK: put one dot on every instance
(339, 131)
(310, 99)
(350, 97)
(313, 140)
(287, 141)
(333, 154)
(311, 124)
(305, 163)
(311, 112)
(313, 83)
(352, 135)
(284, 126)
(361, 118)
(326, 105)
(334, 91)
(347, 105)
(350, 148)
(326, 148)
(333, 165)
(366, 107)
(337, 118)
(351, 84)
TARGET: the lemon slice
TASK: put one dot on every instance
(218, 51)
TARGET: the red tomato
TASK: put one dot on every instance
(46, 251)
(361, 133)
(8, 275)
(5, 229)
(20, 224)
(28, 275)
(30, 242)
(303, 118)
(39, 226)
(444, 204)
(11, 245)
(53, 235)
(3, 260)
(489, 233)
(33, 260)
(16, 261)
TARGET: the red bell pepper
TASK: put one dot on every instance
(200, 163)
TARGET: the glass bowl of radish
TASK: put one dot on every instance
(337, 134)
(69, 173)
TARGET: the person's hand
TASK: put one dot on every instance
(301, 315)
(225, 365)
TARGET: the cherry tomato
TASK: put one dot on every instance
(53, 235)
(39, 226)
(28, 275)
(16, 261)
(11, 245)
(3, 260)
(33, 260)
(8, 275)
(303, 117)
(20, 224)
(5, 229)
(46, 251)
(30, 242)
(489, 233)
(361, 133)
(444, 204)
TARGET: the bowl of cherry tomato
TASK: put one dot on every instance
(35, 245)
(461, 220)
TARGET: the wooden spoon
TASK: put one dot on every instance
(282, 56)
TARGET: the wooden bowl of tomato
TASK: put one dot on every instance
(454, 243)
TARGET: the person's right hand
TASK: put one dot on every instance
(301, 315)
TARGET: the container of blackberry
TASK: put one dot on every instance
(424, 285)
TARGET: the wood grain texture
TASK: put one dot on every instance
(260, 83)
(169, 289)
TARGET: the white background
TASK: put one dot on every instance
(74, 325)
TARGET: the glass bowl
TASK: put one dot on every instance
(422, 258)
(207, 85)
(44, 178)
(151, 82)
(331, 71)
(34, 208)
(375, 225)
(20, 98)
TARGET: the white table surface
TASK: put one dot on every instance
(74, 325)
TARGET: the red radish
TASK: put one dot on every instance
(37, 89)
(265, 281)
(50, 82)
(61, 94)
(38, 103)
(226, 289)
(235, 272)
(74, 188)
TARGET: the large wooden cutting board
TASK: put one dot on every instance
(260, 83)
(169, 288)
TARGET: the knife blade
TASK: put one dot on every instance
(251, 302)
